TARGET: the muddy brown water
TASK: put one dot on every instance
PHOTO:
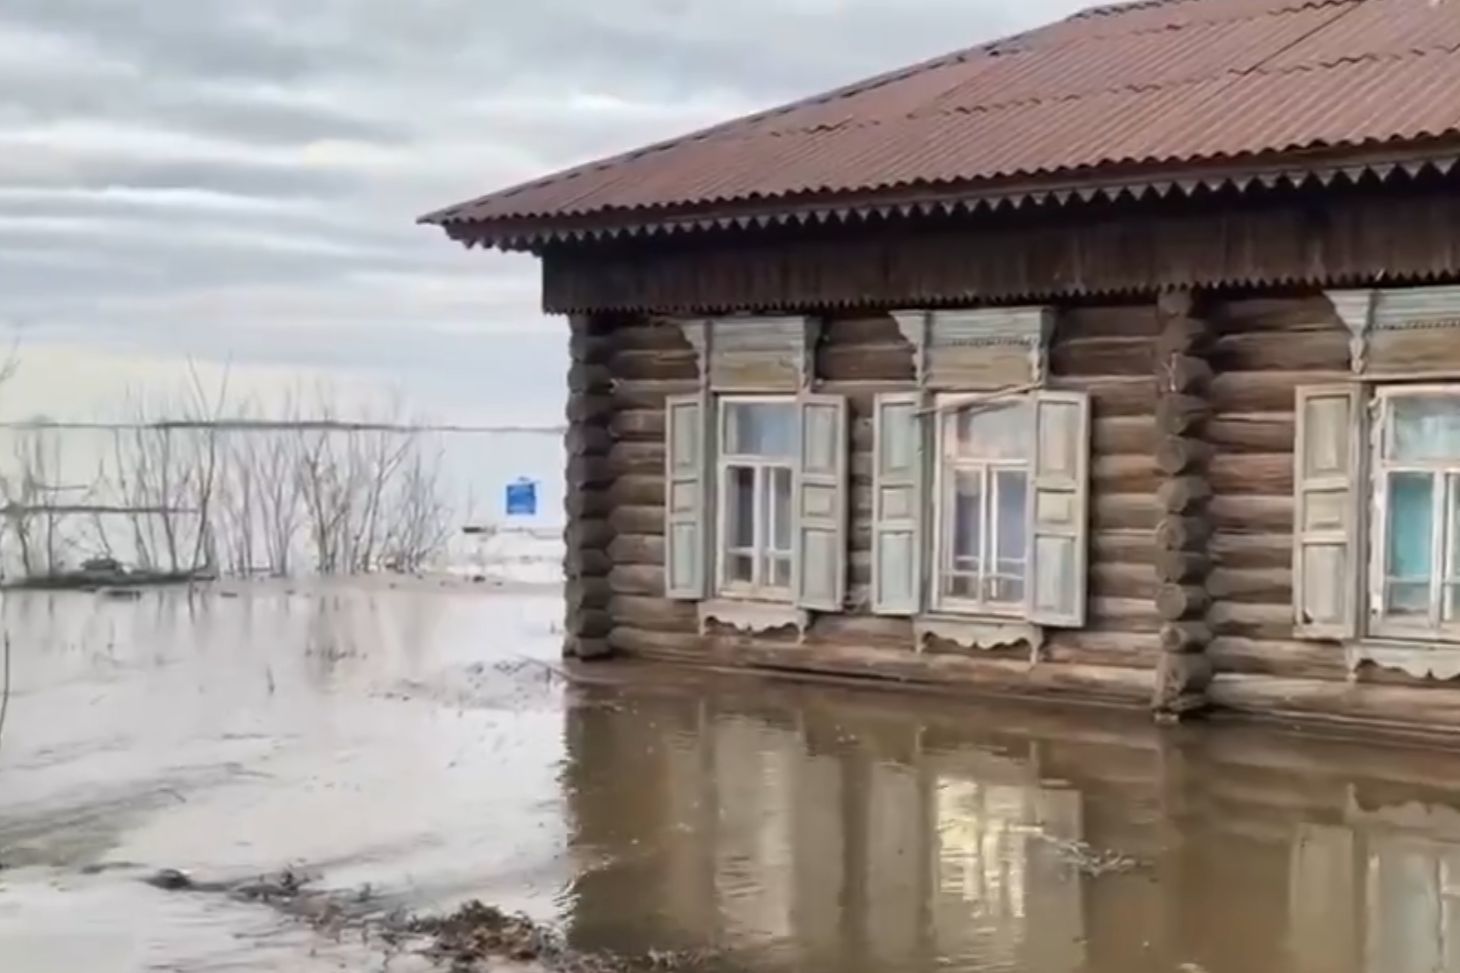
(411, 741)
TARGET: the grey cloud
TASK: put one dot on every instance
(242, 178)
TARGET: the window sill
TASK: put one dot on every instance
(753, 617)
(1422, 660)
(978, 633)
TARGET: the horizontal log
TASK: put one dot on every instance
(588, 472)
(638, 520)
(1318, 660)
(1251, 621)
(639, 489)
(858, 328)
(1134, 649)
(1181, 567)
(637, 458)
(1111, 435)
(1181, 454)
(1184, 495)
(583, 534)
(1114, 396)
(1180, 637)
(1132, 320)
(1257, 473)
(646, 335)
(1183, 374)
(649, 394)
(589, 624)
(1239, 514)
(586, 595)
(1314, 349)
(1123, 511)
(1111, 355)
(1122, 616)
(886, 362)
(1264, 391)
(591, 349)
(655, 614)
(1421, 711)
(1255, 432)
(637, 579)
(1181, 415)
(588, 504)
(584, 439)
(637, 549)
(1136, 547)
(1180, 674)
(1122, 581)
(590, 649)
(579, 562)
(672, 646)
(638, 425)
(1123, 474)
(590, 408)
(584, 377)
(1295, 314)
(1176, 603)
(1260, 585)
(1191, 336)
(1247, 551)
(657, 364)
(1183, 533)
(847, 629)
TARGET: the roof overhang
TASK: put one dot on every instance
(1317, 168)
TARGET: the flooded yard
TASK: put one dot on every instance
(413, 746)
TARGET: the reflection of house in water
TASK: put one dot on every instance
(842, 833)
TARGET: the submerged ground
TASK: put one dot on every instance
(411, 746)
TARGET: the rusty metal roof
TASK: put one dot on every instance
(1143, 89)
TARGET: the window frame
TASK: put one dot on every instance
(945, 408)
(1444, 565)
(760, 552)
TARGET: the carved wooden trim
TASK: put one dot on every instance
(1367, 311)
(974, 633)
(936, 334)
(782, 348)
(1356, 311)
(1422, 660)
(753, 617)
(914, 328)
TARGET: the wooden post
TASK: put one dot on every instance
(1183, 380)
(589, 480)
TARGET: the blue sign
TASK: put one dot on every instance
(522, 498)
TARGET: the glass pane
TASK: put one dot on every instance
(780, 571)
(1411, 519)
(779, 504)
(741, 567)
(967, 521)
(760, 429)
(740, 507)
(1426, 427)
(1002, 431)
(1011, 508)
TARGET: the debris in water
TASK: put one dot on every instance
(169, 880)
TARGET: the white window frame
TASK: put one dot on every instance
(757, 589)
(945, 406)
(1444, 567)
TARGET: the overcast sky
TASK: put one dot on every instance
(236, 181)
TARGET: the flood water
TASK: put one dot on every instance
(406, 740)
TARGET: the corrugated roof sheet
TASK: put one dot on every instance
(1157, 84)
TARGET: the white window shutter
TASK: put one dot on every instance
(685, 528)
(820, 574)
(897, 472)
(1059, 509)
(1326, 456)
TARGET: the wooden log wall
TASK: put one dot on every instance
(1183, 408)
(1108, 352)
(589, 476)
(1263, 349)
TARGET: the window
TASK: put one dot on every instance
(984, 497)
(756, 470)
(983, 506)
(1417, 504)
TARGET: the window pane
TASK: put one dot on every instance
(1011, 508)
(741, 567)
(1411, 519)
(740, 507)
(1426, 427)
(779, 571)
(760, 429)
(779, 484)
(967, 521)
(1002, 431)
